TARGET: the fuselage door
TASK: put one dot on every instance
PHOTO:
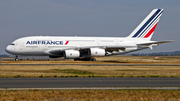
(21, 44)
(45, 46)
(97, 41)
(116, 41)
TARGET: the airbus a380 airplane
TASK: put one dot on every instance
(85, 48)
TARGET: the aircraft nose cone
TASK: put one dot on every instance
(8, 49)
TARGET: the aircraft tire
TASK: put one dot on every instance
(93, 59)
(85, 59)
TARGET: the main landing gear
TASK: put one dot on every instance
(85, 59)
(16, 58)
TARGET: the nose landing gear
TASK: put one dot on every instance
(16, 58)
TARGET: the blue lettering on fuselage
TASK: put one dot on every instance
(45, 42)
(28, 42)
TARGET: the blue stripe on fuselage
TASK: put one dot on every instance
(150, 19)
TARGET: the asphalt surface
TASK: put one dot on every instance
(87, 82)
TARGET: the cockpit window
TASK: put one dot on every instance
(12, 44)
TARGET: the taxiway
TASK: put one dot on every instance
(64, 83)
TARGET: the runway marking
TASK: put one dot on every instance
(95, 88)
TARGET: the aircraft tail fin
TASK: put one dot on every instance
(146, 28)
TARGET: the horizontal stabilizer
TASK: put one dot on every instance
(154, 42)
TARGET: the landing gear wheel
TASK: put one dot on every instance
(77, 59)
(85, 59)
(93, 59)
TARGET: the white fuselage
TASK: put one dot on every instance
(41, 45)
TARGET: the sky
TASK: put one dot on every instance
(101, 18)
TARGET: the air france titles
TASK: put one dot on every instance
(45, 42)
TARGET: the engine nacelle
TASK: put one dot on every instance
(97, 52)
(71, 54)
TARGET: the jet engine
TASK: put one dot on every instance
(71, 54)
(97, 52)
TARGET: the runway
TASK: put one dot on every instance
(79, 83)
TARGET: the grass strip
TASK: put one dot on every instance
(73, 71)
(89, 76)
(90, 95)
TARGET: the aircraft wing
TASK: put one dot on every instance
(109, 49)
(86, 49)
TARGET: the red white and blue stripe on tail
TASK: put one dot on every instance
(146, 28)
